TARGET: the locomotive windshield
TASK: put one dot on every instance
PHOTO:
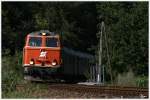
(35, 41)
(51, 42)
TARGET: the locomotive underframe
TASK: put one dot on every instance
(52, 74)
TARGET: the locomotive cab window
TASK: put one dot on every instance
(51, 42)
(35, 41)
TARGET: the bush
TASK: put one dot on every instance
(126, 79)
(129, 79)
(142, 81)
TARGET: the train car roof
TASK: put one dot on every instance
(42, 32)
(77, 53)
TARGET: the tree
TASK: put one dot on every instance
(127, 29)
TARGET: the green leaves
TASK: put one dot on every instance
(127, 29)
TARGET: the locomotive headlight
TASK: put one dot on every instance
(43, 33)
(31, 62)
(54, 63)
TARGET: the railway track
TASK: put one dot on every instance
(97, 90)
(108, 91)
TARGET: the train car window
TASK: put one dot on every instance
(51, 42)
(35, 41)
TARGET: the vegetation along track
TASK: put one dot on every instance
(104, 91)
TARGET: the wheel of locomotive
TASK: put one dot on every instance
(31, 74)
(27, 74)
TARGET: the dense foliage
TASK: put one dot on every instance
(73, 20)
(126, 28)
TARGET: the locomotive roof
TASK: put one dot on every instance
(48, 33)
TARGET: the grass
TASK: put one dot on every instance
(12, 74)
(31, 90)
(129, 79)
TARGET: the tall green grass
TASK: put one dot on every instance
(30, 90)
(12, 74)
(129, 79)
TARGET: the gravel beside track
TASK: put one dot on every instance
(104, 91)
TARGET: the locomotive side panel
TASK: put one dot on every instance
(67, 64)
(74, 67)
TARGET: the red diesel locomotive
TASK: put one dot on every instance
(43, 55)
(42, 50)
